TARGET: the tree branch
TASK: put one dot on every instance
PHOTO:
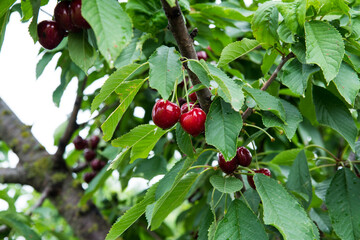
(71, 127)
(13, 175)
(185, 43)
(272, 78)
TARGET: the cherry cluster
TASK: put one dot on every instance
(243, 158)
(68, 18)
(89, 147)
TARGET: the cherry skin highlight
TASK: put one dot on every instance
(193, 122)
(50, 34)
(165, 114)
(202, 55)
(79, 143)
(63, 17)
(227, 167)
(243, 156)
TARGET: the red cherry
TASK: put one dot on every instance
(97, 164)
(202, 55)
(50, 34)
(63, 17)
(184, 108)
(193, 122)
(243, 156)
(250, 178)
(79, 143)
(165, 114)
(209, 48)
(76, 16)
(94, 141)
(193, 96)
(227, 167)
(89, 154)
(89, 176)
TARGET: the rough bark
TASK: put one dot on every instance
(37, 169)
(186, 47)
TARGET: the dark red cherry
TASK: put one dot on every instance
(50, 34)
(63, 17)
(202, 55)
(193, 122)
(76, 16)
(193, 96)
(97, 164)
(250, 178)
(243, 156)
(165, 114)
(227, 167)
(89, 176)
(94, 141)
(79, 143)
(184, 108)
(89, 154)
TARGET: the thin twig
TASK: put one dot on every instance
(41, 200)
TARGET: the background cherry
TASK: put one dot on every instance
(193, 122)
(97, 164)
(165, 114)
(94, 141)
(202, 55)
(79, 143)
(227, 167)
(89, 154)
(89, 176)
(50, 34)
(250, 178)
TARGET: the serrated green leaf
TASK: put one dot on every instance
(236, 50)
(81, 52)
(171, 200)
(299, 179)
(103, 15)
(205, 223)
(322, 219)
(265, 23)
(215, 11)
(342, 200)
(287, 157)
(126, 92)
(96, 183)
(267, 102)
(131, 53)
(324, 7)
(330, 111)
(240, 223)
(43, 62)
(294, 14)
(285, 33)
(295, 75)
(141, 139)
(18, 223)
(324, 47)
(113, 82)
(183, 140)
(131, 215)
(347, 82)
(282, 211)
(149, 168)
(268, 60)
(120, 158)
(33, 25)
(230, 90)
(251, 197)
(226, 184)
(201, 71)
(293, 119)
(4, 6)
(165, 69)
(4, 20)
(222, 127)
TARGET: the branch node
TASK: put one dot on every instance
(194, 33)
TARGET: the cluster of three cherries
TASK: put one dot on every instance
(68, 18)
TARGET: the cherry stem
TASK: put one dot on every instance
(186, 92)
(254, 126)
(46, 12)
(322, 166)
(175, 94)
(317, 146)
(325, 158)
(200, 166)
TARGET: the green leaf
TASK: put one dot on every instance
(201, 71)
(348, 84)
(113, 82)
(322, 219)
(19, 223)
(294, 14)
(295, 75)
(103, 16)
(59, 132)
(230, 90)
(4, 6)
(141, 139)
(268, 60)
(183, 140)
(285, 33)
(324, 7)
(131, 53)
(131, 215)
(332, 112)
(342, 200)
(3, 23)
(236, 50)
(33, 25)
(81, 52)
(165, 69)
(299, 179)
(43, 62)
(267, 102)
(149, 168)
(95, 184)
(226, 184)
(293, 119)
(282, 211)
(324, 47)
(205, 223)
(171, 200)
(126, 92)
(287, 157)
(120, 158)
(215, 11)
(222, 127)
(240, 223)
(265, 23)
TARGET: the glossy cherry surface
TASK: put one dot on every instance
(94, 141)
(89, 176)
(227, 167)
(79, 143)
(165, 114)
(184, 108)
(243, 156)
(76, 16)
(193, 122)
(250, 178)
(50, 34)
(202, 55)
(97, 164)
(89, 154)
(63, 17)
